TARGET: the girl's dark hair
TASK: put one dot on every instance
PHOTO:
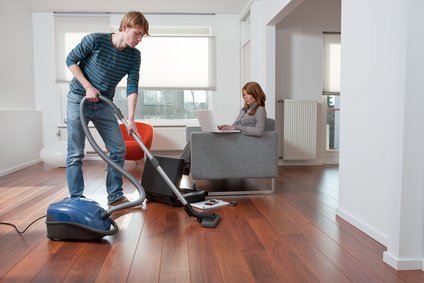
(254, 89)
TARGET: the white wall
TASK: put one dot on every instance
(20, 122)
(47, 97)
(381, 185)
(264, 15)
(16, 74)
(228, 100)
(405, 241)
(299, 57)
(373, 87)
(262, 54)
(20, 139)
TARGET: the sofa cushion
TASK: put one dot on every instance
(223, 156)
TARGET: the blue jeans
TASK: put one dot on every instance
(103, 118)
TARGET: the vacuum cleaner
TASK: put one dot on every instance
(82, 219)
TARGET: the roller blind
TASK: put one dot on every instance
(167, 62)
(177, 62)
(332, 56)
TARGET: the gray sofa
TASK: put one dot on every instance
(234, 156)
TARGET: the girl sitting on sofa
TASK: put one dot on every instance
(250, 121)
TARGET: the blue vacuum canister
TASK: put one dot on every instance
(78, 219)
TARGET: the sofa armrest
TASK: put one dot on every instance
(191, 129)
(224, 156)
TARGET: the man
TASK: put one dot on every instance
(98, 64)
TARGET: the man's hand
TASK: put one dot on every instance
(132, 128)
(92, 94)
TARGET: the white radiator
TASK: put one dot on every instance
(168, 138)
(300, 129)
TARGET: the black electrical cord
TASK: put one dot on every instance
(16, 228)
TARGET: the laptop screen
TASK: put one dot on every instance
(208, 124)
(153, 182)
(207, 121)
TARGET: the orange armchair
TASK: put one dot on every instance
(134, 151)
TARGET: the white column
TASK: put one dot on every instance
(263, 54)
(405, 247)
(47, 98)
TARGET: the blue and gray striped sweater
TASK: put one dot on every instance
(104, 65)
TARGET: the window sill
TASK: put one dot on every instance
(172, 123)
(155, 123)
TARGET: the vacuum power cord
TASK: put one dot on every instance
(16, 228)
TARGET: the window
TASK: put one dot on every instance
(332, 53)
(331, 90)
(177, 73)
(333, 121)
(165, 105)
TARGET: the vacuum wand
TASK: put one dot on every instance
(205, 219)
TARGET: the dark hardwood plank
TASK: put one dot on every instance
(277, 260)
(315, 237)
(86, 267)
(60, 262)
(118, 261)
(26, 256)
(54, 188)
(204, 262)
(175, 263)
(148, 253)
(303, 260)
(32, 263)
(231, 260)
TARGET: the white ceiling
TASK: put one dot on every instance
(144, 6)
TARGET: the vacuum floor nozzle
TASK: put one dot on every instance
(210, 221)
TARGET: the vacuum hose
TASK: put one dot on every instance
(205, 219)
(109, 161)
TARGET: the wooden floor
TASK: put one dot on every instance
(290, 236)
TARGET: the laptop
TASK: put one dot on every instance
(208, 124)
(158, 190)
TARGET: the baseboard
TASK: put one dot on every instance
(282, 162)
(22, 166)
(403, 264)
(299, 162)
(379, 237)
(92, 155)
